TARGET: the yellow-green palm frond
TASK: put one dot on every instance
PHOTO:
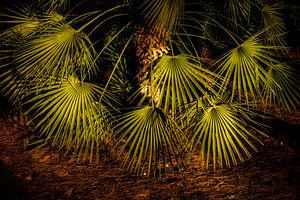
(284, 87)
(67, 113)
(163, 15)
(273, 21)
(25, 21)
(24, 24)
(59, 50)
(12, 87)
(223, 133)
(179, 80)
(244, 68)
(150, 140)
(20, 31)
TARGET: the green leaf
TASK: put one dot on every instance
(244, 69)
(177, 81)
(68, 114)
(150, 140)
(284, 87)
(26, 23)
(58, 50)
(223, 133)
(163, 15)
(273, 21)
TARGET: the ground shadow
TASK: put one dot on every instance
(10, 188)
(287, 134)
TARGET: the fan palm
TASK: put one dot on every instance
(135, 73)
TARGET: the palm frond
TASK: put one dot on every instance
(60, 50)
(163, 15)
(24, 24)
(273, 21)
(68, 114)
(26, 20)
(19, 32)
(244, 68)
(223, 133)
(284, 87)
(177, 81)
(150, 140)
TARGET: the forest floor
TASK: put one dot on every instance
(45, 173)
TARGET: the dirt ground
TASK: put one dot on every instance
(44, 173)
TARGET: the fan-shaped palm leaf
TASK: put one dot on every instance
(24, 25)
(68, 114)
(178, 80)
(284, 87)
(244, 68)
(223, 133)
(11, 80)
(26, 21)
(273, 20)
(150, 140)
(163, 15)
(58, 50)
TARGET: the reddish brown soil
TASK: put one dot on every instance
(44, 173)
